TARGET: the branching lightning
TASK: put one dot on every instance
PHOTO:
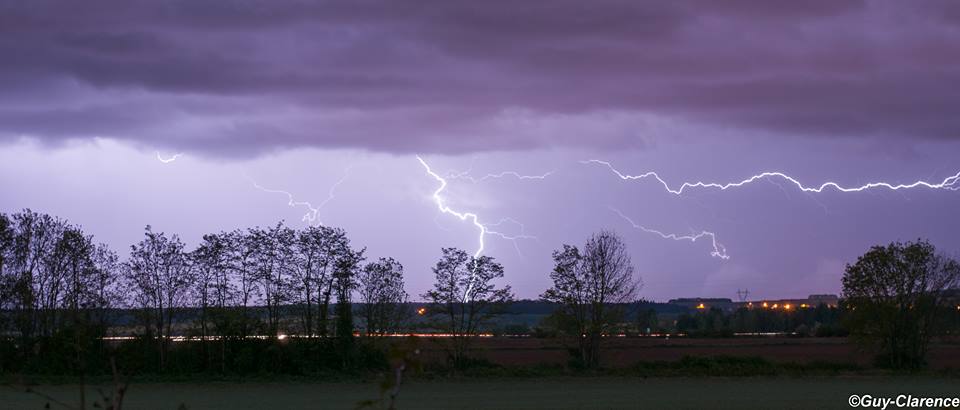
(950, 183)
(312, 216)
(512, 238)
(483, 229)
(719, 251)
(168, 160)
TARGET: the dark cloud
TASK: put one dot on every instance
(240, 77)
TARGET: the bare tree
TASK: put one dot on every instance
(37, 277)
(273, 251)
(895, 297)
(104, 287)
(592, 288)
(241, 252)
(345, 274)
(308, 270)
(7, 280)
(336, 246)
(381, 291)
(465, 294)
(161, 276)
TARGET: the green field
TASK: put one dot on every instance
(554, 393)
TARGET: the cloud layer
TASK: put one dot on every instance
(245, 77)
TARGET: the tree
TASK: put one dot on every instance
(104, 287)
(592, 287)
(336, 255)
(241, 263)
(208, 261)
(345, 275)
(308, 268)
(647, 321)
(36, 275)
(381, 291)
(161, 276)
(6, 247)
(273, 257)
(6, 281)
(465, 295)
(895, 294)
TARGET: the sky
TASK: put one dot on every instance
(193, 116)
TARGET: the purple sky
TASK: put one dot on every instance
(296, 96)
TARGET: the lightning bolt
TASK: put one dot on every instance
(482, 229)
(442, 206)
(312, 216)
(168, 160)
(951, 183)
(465, 175)
(719, 251)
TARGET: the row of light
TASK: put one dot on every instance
(765, 305)
(283, 337)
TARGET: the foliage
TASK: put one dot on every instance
(381, 291)
(895, 298)
(465, 296)
(591, 288)
(822, 321)
(59, 291)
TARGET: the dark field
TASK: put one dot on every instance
(506, 390)
(552, 393)
(620, 352)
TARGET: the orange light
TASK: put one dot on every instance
(422, 311)
(701, 306)
(775, 305)
(765, 304)
(804, 305)
(787, 306)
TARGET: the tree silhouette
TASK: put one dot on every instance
(591, 288)
(465, 296)
(160, 276)
(895, 294)
(381, 290)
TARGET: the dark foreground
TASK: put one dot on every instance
(553, 393)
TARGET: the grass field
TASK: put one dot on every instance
(553, 393)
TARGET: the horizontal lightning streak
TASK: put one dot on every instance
(465, 175)
(951, 183)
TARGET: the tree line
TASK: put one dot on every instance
(56, 280)
(243, 292)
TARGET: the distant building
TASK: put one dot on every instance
(811, 301)
(704, 303)
(728, 305)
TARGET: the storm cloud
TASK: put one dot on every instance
(240, 78)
